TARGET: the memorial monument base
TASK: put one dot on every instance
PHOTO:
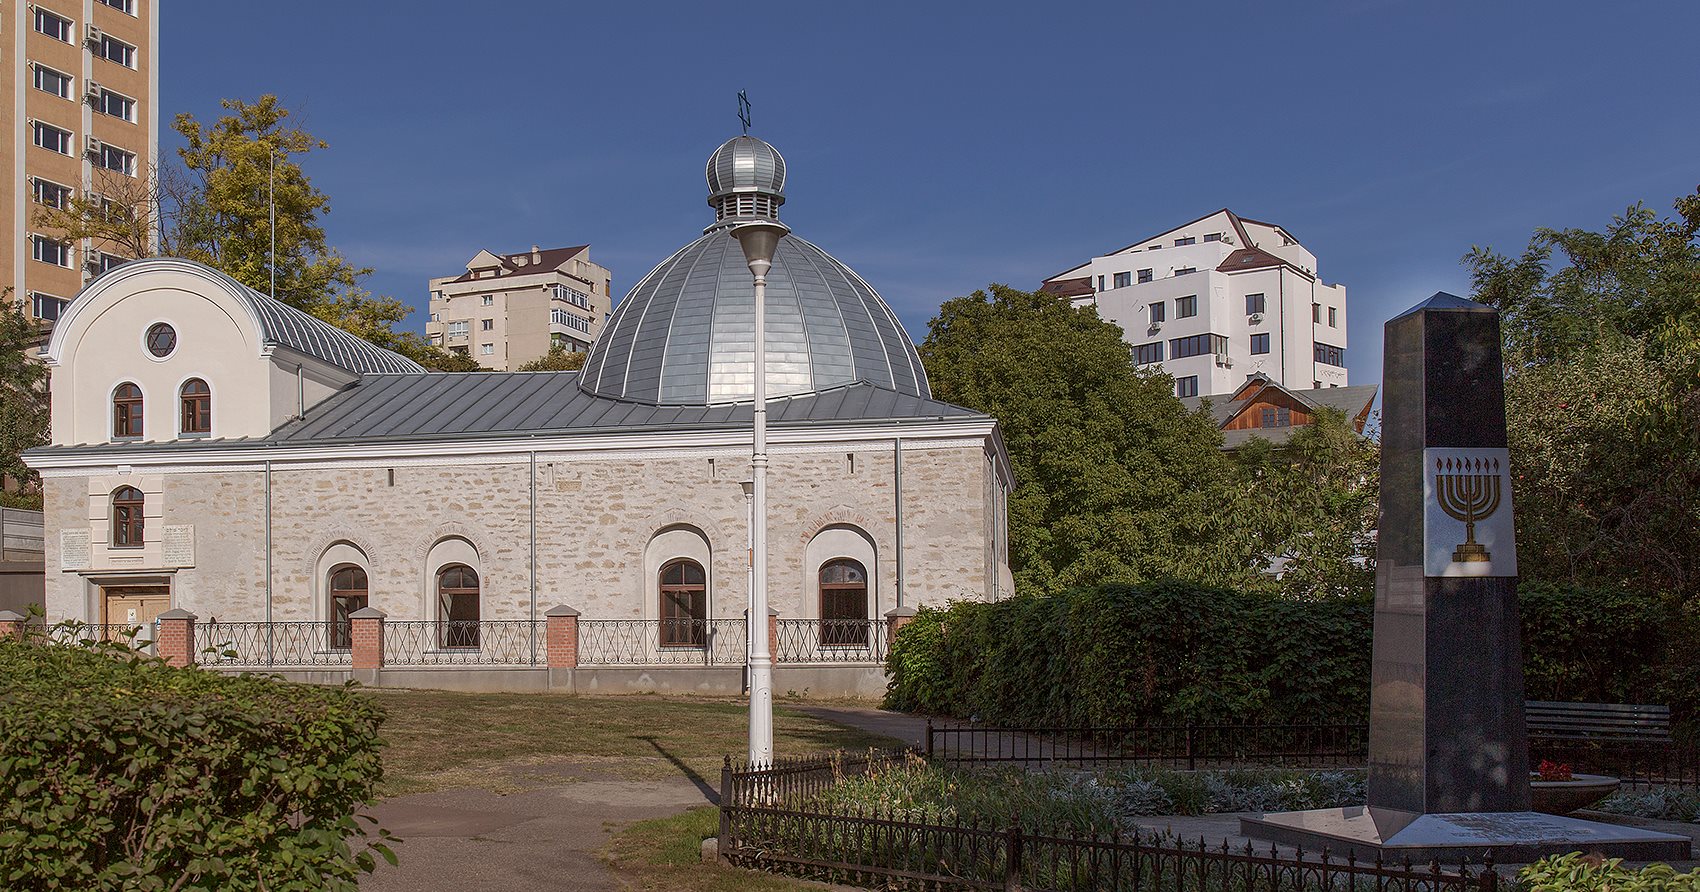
(1511, 837)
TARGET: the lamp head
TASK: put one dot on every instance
(759, 240)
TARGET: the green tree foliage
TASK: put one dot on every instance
(1602, 348)
(1115, 480)
(558, 359)
(23, 403)
(1312, 503)
(121, 772)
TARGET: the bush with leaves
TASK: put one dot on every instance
(1576, 872)
(118, 771)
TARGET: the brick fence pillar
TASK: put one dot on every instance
(773, 633)
(560, 635)
(366, 628)
(11, 625)
(896, 619)
(176, 642)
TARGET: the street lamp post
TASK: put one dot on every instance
(759, 240)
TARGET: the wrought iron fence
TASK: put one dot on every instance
(502, 642)
(138, 637)
(1637, 763)
(1176, 746)
(830, 641)
(797, 779)
(651, 642)
(310, 643)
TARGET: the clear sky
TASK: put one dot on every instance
(936, 147)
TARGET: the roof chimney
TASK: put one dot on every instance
(536, 254)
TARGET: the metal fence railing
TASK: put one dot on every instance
(1324, 745)
(502, 642)
(1637, 763)
(139, 637)
(650, 642)
(310, 643)
(830, 641)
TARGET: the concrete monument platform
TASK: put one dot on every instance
(1511, 837)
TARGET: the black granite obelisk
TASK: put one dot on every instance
(1448, 751)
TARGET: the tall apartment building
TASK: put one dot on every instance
(1217, 301)
(508, 309)
(84, 120)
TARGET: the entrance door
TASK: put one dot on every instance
(133, 605)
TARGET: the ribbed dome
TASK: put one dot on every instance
(744, 163)
(685, 334)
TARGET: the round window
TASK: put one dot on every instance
(162, 339)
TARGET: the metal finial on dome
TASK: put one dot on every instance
(746, 181)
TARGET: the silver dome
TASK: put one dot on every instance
(685, 334)
(745, 164)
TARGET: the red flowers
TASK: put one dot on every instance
(1553, 771)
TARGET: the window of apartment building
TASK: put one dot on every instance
(128, 7)
(1213, 236)
(116, 105)
(1146, 354)
(1260, 343)
(1316, 312)
(1186, 306)
(46, 307)
(486, 324)
(114, 158)
(49, 250)
(436, 317)
(1276, 417)
(1144, 275)
(101, 261)
(1332, 318)
(1185, 241)
(1124, 279)
(486, 349)
(489, 300)
(460, 329)
(1328, 354)
(114, 50)
(571, 295)
(1187, 386)
(56, 27)
(1253, 304)
(50, 193)
(51, 138)
(559, 316)
(49, 81)
(1159, 312)
(1100, 283)
(1197, 345)
(1186, 270)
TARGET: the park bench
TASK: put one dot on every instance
(1639, 722)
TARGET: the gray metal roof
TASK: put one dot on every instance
(481, 404)
(685, 334)
(745, 164)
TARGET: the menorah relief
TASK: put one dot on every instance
(1468, 490)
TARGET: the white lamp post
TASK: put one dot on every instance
(759, 240)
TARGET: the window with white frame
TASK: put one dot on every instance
(50, 250)
(50, 193)
(46, 307)
(486, 324)
(54, 26)
(49, 81)
(51, 138)
(570, 295)
(116, 105)
(489, 300)
(114, 50)
(486, 349)
(128, 7)
(460, 329)
(114, 158)
(559, 316)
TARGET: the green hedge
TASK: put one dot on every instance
(1116, 654)
(1172, 651)
(118, 771)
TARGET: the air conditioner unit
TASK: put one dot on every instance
(1155, 327)
(1227, 239)
(92, 258)
(94, 37)
(1223, 361)
(91, 92)
(95, 146)
(1256, 319)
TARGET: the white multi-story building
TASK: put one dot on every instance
(1217, 301)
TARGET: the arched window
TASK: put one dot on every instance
(127, 411)
(127, 517)
(684, 604)
(348, 594)
(843, 603)
(457, 606)
(196, 399)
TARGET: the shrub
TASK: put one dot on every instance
(119, 771)
(1577, 873)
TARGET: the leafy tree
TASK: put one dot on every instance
(217, 209)
(558, 359)
(1312, 503)
(23, 403)
(1602, 349)
(1115, 480)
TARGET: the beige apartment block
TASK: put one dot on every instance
(508, 309)
(83, 119)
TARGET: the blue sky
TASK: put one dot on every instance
(938, 147)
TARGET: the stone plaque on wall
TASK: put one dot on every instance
(73, 549)
(177, 545)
